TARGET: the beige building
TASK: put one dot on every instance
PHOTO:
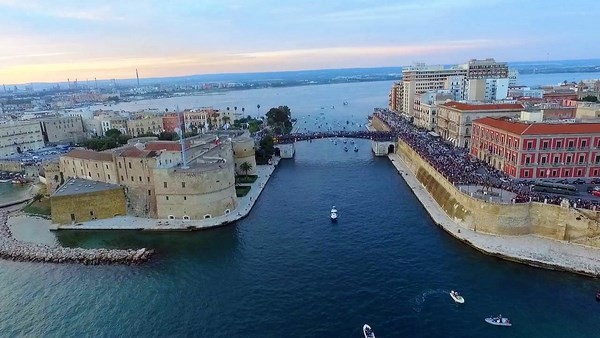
(60, 130)
(79, 200)
(425, 107)
(587, 110)
(455, 119)
(158, 185)
(112, 122)
(17, 137)
(145, 125)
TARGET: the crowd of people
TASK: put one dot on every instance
(372, 135)
(462, 169)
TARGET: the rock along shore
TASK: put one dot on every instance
(13, 249)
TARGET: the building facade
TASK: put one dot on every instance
(396, 97)
(62, 130)
(425, 107)
(18, 137)
(145, 125)
(455, 119)
(538, 150)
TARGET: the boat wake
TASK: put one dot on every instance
(419, 301)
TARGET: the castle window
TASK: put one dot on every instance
(165, 184)
(167, 198)
(183, 184)
(185, 198)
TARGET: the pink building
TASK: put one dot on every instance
(538, 150)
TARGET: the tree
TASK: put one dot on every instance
(227, 108)
(590, 98)
(243, 110)
(38, 197)
(246, 167)
(280, 119)
(168, 136)
(113, 133)
(235, 109)
(257, 110)
(267, 144)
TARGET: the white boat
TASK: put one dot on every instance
(457, 298)
(498, 321)
(334, 214)
(368, 332)
(355, 148)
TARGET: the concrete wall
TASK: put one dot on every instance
(551, 221)
(11, 166)
(103, 204)
(382, 148)
(286, 150)
(378, 124)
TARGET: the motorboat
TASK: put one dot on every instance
(498, 321)
(345, 148)
(598, 295)
(368, 332)
(334, 215)
(457, 298)
(355, 148)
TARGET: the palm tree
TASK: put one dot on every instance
(227, 108)
(246, 167)
(258, 110)
(235, 109)
(243, 110)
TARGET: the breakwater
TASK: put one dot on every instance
(13, 249)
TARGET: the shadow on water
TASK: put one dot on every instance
(166, 244)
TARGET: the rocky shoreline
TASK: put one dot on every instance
(13, 249)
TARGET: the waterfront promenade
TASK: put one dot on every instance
(245, 205)
(528, 249)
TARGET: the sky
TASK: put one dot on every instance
(52, 40)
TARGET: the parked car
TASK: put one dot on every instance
(596, 193)
(579, 181)
(595, 180)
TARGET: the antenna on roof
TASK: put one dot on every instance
(182, 139)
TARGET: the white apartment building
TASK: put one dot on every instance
(513, 77)
(17, 137)
(487, 90)
(421, 78)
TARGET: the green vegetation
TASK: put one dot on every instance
(266, 150)
(113, 139)
(280, 120)
(246, 178)
(246, 167)
(242, 190)
(38, 207)
(253, 125)
(590, 98)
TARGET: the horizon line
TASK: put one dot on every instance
(283, 71)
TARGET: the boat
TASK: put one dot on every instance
(345, 103)
(368, 332)
(498, 321)
(345, 148)
(5, 180)
(334, 214)
(355, 148)
(457, 298)
(598, 295)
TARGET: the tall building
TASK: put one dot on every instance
(396, 96)
(538, 150)
(513, 77)
(420, 78)
(486, 69)
(455, 119)
(487, 90)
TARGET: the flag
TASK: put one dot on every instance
(217, 140)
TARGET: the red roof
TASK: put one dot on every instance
(168, 146)
(521, 128)
(486, 106)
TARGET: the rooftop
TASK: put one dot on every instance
(486, 106)
(75, 186)
(86, 154)
(521, 128)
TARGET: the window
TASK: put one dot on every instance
(89, 174)
(527, 160)
(140, 177)
(556, 159)
(129, 165)
(543, 160)
(185, 198)
(91, 213)
(558, 144)
(571, 144)
(526, 173)
(529, 145)
(96, 165)
(581, 158)
(165, 184)
(171, 217)
(183, 184)
(583, 143)
(148, 179)
(167, 198)
(119, 165)
(568, 159)
(597, 159)
(132, 179)
(149, 192)
(545, 145)
(207, 216)
(566, 173)
(579, 172)
(108, 177)
(122, 179)
(186, 217)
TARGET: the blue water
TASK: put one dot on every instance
(286, 271)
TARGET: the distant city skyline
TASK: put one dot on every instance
(50, 41)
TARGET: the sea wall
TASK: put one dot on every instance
(379, 124)
(545, 220)
(13, 249)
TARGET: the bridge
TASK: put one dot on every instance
(380, 136)
(382, 142)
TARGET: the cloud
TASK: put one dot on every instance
(64, 10)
